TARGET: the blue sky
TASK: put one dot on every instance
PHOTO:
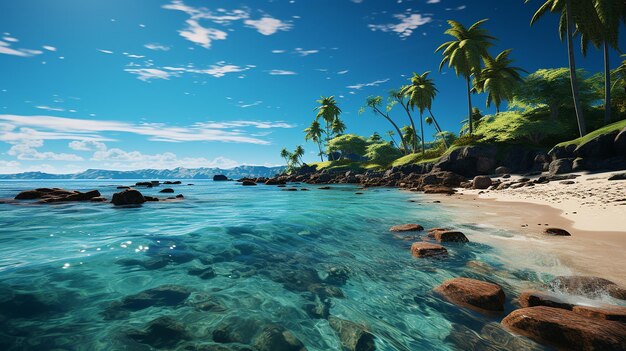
(128, 84)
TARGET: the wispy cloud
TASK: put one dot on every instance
(6, 49)
(278, 51)
(48, 108)
(268, 25)
(343, 72)
(433, 1)
(370, 84)
(408, 22)
(217, 70)
(280, 72)
(157, 47)
(458, 8)
(302, 52)
(203, 36)
(49, 48)
(147, 74)
(108, 52)
(18, 128)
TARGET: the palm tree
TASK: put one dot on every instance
(566, 28)
(337, 127)
(390, 134)
(601, 28)
(410, 135)
(498, 79)
(374, 103)
(465, 52)
(284, 153)
(314, 133)
(421, 93)
(297, 154)
(328, 111)
(397, 96)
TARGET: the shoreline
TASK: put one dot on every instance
(587, 252)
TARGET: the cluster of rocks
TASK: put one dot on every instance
(546, 317)
(52, 195)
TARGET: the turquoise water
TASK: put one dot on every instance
(70, 274)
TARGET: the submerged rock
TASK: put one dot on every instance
(411, 227)
(166, 295)
(277, 338)
(353, 337)
(202, 273)
(566, 329)
(473, 293)
(591, 287)
(128, 197)
(163, 332)
(236, 330)
(425, 249)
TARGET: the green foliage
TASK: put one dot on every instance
(382, 153)
(375, 138)
(498, 79)
(469, 46)
(617, 126)
(349, 144)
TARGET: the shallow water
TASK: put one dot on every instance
(70, 273)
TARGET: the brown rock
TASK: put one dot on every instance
(411, 227)
(438, 189)
(566, 329)
(532, 298)
(248, 182)
(424, 249)
(591, 287)
(128, 197)
(29, 195)
(556, 232)
(608, 312)
(481, 182)
(444, 236)
(473, 293)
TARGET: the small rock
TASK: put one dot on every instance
(411, 227)
(128, 197)
(556, 232)
(163, 332)
(219, 178)
(248, 183)
(202, 273)
(449, 236)
(425, 249)
(473, 293)
(180, 196)
(481, 182)
(167, 191)
(353, 337)
(277, 338)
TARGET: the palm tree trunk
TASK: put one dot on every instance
(438, 128)
(330, 154)
(422, 128)
(406, 148)
(319, 146)
(607, 85)
(469, 106)
(406, 108)
(572, 68)
(393, 140)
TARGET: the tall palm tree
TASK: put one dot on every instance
(314, 133)
(328, 111)
(421, 93)
(601, 28)
(398, 97)
(569, 10)
(498, 79)
(465, 52)
(374, 103)
(284, 153)
(337, 127)
(297, 155)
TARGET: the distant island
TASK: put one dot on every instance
(176, 173)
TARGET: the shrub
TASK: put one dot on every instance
(382, 153)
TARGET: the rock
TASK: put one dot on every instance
(425, 249)
(176, 182)
(353, 337)
(438, 189)
(411, 227)
(180, 196)
(503, 170)
(473, 293)
(277, 338)
(337, 276)
(619, 176)
(248, 182)
(560, 166)
(559, 152)
(619, 144)
(235, 329)
(324, 188)
(591, 287)
(128, 197)
(481, 182)
(57, 195)
(532, 298)
(167, 191)
(202, 273)
(599, 147)
(28, 195)
(219, 178)
(121, 187)
(163, 332)
(444, 236)
(151, 199)
(146, 184)
(556, 232)
(608, 312)
(566, 329)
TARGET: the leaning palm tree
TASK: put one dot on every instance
(465, 52)
(314, 133)
(390, 134)
(421, 93)
(297, 155)
(396, 96)
(285, 154)
(374, 103)
(409, 135)
(601, 28)
(498, 79)
(570, 11)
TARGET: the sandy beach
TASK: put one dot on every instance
(593, 210)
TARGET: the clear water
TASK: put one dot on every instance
(65, 267)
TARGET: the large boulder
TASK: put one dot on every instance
(560, 166)
(426, 249)
(128, 197)
(219, 178)
(28, 195)
(566, 329)
(473, 293)
(619, 144)
(599, 147)
(481, 182)
(47, 195)
(565, 151)
(248, 182)
(591, 287)
(608, 312)
(353, 337)
(448, 236)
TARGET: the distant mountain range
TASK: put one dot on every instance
(177, 173)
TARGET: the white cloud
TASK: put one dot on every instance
(48, 108)
(268, 25)
(343, 72)
(109, 52)
(26, 150)
(256, 103)
(278, 51)
(302, 52)
(5, 48)
(409, 21)
(217, 70)
(157, 47)
(200, 35)
(10, 39)
(49, 48)
(86, 145)
(19, 128)
(146, 74)
(280, 72)
(459, 8)
(133, 55)
(433, 1)
(370, 84)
